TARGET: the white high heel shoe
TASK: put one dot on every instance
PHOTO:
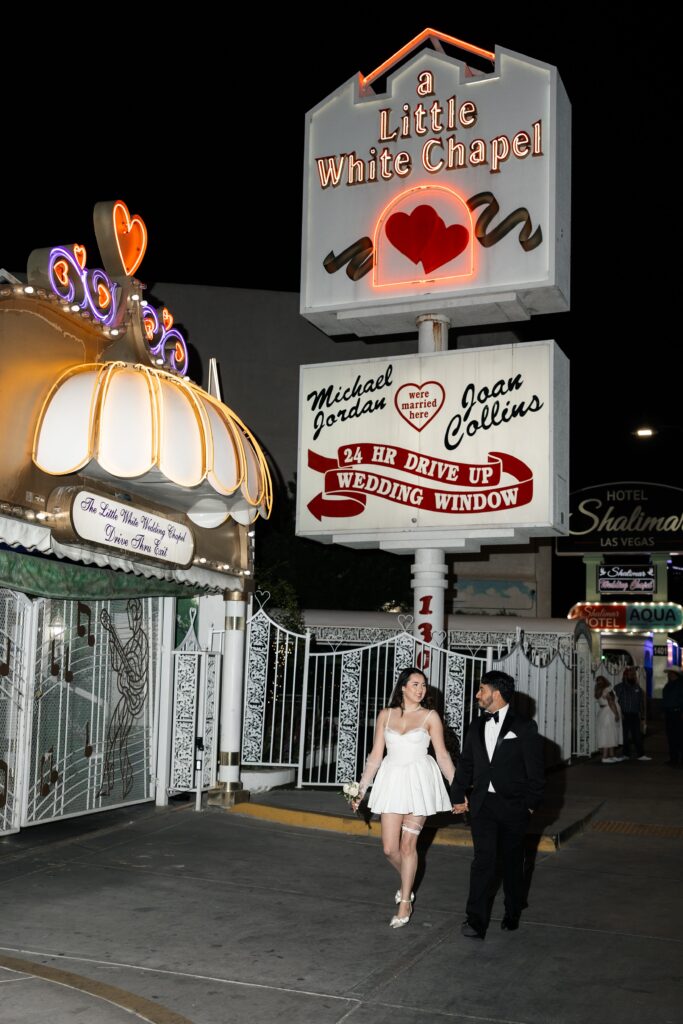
(400, 922)
(397, 897)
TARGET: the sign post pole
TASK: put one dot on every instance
(430, 570)
(230, 790)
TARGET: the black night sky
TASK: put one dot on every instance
(198, 125)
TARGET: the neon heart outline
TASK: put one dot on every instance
(420, 387)
(128, 223)
(61, 272)
(167, 318)
(102, 289)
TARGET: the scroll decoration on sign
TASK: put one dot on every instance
(350, 479)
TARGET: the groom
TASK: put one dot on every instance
(502, 760)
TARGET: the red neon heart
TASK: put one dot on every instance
(80, 254)
(423, 237)
(410, 233)
(445, 244)
(149, 327)
(103, 296)
(167, 318)
(61, 269)
(131, 237)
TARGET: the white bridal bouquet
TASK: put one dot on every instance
(351, 791)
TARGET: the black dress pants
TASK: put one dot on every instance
(674, 734)
(632, 733)
(497, 825)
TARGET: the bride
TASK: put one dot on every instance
(408, 787)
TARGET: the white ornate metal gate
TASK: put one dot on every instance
(585, 707)
(15, 619)
(196, 688)
(274, 701)
(548, 691)
(91, 707)
(315, 710)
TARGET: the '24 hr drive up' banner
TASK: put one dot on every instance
(454, 444)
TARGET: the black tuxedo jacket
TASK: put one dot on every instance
(516, 768)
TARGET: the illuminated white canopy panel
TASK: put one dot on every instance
(182, 447)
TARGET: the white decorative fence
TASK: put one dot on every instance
(315, 710)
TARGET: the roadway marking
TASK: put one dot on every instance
(143, 1008)
(30, 968)
(632, 828)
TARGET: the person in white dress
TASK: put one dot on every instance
(607, 722)
(408, 785)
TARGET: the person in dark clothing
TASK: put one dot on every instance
(632, 704)
(672, 702)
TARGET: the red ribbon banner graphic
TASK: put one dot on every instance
(347, 485)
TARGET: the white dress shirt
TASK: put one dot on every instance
(491, 733)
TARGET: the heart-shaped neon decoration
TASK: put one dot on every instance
(131, 237)
(80, 254)
(167, 318)
(149, 328)
(422, 236)
(103, 296)
(61, 269)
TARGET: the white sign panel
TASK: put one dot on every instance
(129, 530)
(451, 449)
(448, 193)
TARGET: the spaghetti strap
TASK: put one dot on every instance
(424, 720)
(388, 718)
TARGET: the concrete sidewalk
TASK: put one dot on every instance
(174, 916)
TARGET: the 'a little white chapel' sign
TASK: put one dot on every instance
(448, 189)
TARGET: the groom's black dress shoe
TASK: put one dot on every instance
(469, 932)
(509, 924)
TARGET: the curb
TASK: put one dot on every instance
(357, 827)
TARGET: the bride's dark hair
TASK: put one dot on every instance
(396, 699)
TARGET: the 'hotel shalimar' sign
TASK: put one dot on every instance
(450, 185)
(627, 516)
(441, 448)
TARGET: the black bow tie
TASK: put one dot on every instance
(491, 716)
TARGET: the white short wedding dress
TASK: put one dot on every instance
(408, 780)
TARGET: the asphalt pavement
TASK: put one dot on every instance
(172, 916)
